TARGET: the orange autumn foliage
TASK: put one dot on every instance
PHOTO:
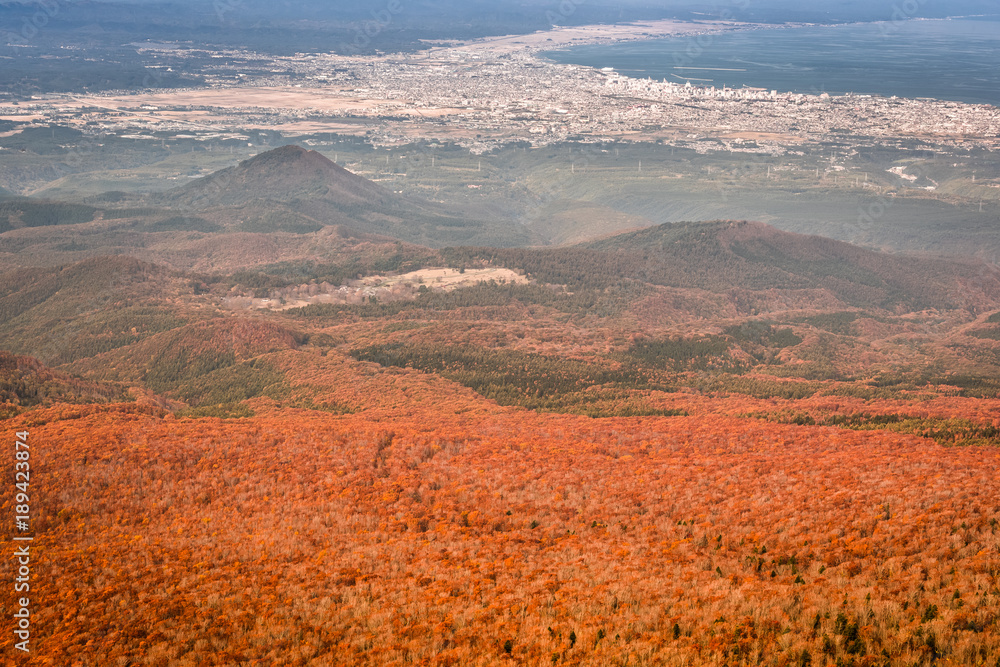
(301, 538)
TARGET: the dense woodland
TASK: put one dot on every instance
(528, 474)
(302, 539)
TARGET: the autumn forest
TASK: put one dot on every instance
(705, 443)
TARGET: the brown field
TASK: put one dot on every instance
(765, 136)
(321, 99)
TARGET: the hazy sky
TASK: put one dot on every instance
(839, 9)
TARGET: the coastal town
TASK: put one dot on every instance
(486, 94)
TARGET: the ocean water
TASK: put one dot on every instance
(948, 59)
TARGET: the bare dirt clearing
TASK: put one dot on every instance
(402, 287)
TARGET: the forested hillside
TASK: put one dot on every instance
(301, 539)
(707, 443)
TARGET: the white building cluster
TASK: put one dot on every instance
(617, 84)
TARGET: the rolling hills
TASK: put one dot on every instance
(756, 256)
(260, 431)
(294, 189)
(719, 306)
(634, 453)
(728, 256)
(25, 383)
(287, 204)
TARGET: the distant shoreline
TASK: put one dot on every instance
(802, 77)
(602, 34)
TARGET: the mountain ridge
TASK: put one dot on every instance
(27, 382)
(283, 174)
(293, 182)
(752, 257)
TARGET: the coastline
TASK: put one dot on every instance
(764, 78)
(600, 34)
(490, 92)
